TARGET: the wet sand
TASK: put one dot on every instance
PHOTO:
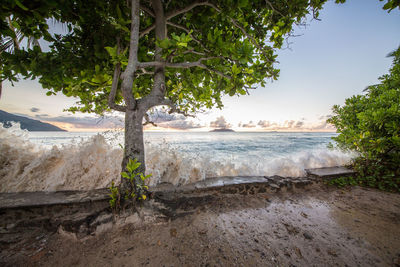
(321, 226)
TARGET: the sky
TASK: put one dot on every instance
(329, 61)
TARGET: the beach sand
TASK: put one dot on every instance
(322, 226)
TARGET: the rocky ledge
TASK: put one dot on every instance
(85, 211)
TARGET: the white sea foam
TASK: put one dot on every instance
(25, 166)
(95, 162)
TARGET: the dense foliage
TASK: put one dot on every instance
(370, 125)
(81, 63)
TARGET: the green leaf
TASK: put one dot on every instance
(119, 13)
(176, 37)
(125, 175)
(21, 5)
(243, 3)
(112, 51)
(163, 43)
(15, 24)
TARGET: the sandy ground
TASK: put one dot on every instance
(319, 227)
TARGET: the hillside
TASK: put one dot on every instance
(26, 123)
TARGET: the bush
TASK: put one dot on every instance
(136, 191)
(370, 125)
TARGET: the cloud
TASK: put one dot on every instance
(34, 110)
(323, 125)
(288, 124)
(221, 123)
(250, 124)
(180, 125)
(160, 116)
(85, 122)
(292, 124)
(297, 125)
(164, 119)
(264, 124)
(324, 117)
(42, 116)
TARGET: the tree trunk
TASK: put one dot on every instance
(134, 145)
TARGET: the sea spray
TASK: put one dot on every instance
(94, 162)
(25, 166)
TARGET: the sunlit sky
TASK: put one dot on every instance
(331, 60)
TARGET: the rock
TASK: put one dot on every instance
(291, 229)
(66, 234)
(202, 232)
(104, 227)
(132, 219)
(332, 252)
(307, 236)
(298, 252)
(274, 186)
(173, 232)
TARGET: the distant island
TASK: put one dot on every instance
(222, 130)
(26, 123)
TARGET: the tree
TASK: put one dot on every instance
(370, 125)
(133, 56)
(12, 42)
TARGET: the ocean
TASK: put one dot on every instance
(69, 160)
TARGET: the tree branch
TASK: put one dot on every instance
(114, 86)
(174, 108)
(144, 71)
(192, 51)
(216, 71)
(173, 65)
(175, 13)
(184, 65)
(113, 92)
(127, 75)
(147, 30)
(272, 7)
(188, 32)
(147, 10)
(148, 121)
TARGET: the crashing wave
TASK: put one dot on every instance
(95, 163)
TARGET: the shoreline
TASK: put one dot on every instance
(311, 225)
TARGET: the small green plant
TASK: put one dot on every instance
(135, 189)
(115, 196)
(343, 181)
(372, 174)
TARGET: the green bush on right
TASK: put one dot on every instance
(369, 125)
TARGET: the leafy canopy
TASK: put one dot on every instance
(238, 39)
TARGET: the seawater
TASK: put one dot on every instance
(32, 161)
